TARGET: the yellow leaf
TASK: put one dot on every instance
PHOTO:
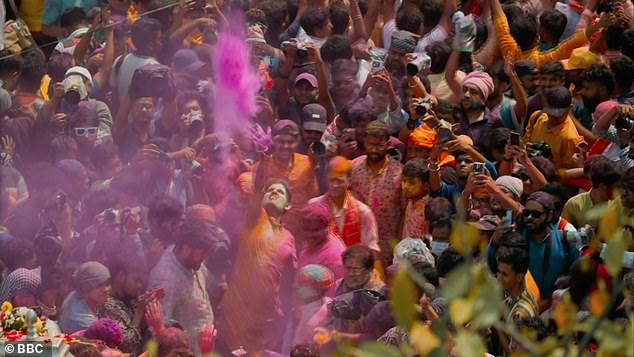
(464, 237)
(6, 306)
(423, 338)
(469, 344)
(403, 299)
(599, 299)
(614, 252)
(608, 224)
(151, 348)
(460, 311)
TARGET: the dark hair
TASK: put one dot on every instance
(304, 350)
(102, 154)
(196, 233)
(558, 191)
(498, 138)
(165, 207)
(184, 97)
(125, 264)
(336, 47)
(612, 35)
(627, 43)
(623, 69)
(517, 258)
(416, 168)
(599, 73)
(9, 63)
(171, 339)
(409, 18)
(339, 17)
(359, 111)
(439, 52)
(448, 260)
(98, 201)
(512, 11)
(57, 66)
(524, 31)
(361, 252)
(558, 97)
(85, 112)
(432, 12)
(255, 15)
(438, 207)
(583, 277)
(15, 251)
(313, 19)
(43, 175)
(72, 17)
(63, 145)
(553, 68)
(440, 222)
(32, 70)
(144, 31)
(602, 171)
(83, 349)
(513, 240)
(497, 71)
(276, 12)
(535, 324)
(553, 22)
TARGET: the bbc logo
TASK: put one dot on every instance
(25, 349)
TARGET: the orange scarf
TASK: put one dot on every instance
(351, 234)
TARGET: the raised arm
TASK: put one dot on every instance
(102, 76)
(358, 25)
(450, 73)
(521, 98)
(371, 16)
(322, 81)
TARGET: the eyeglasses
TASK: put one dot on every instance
(86, 131)
(530, 213)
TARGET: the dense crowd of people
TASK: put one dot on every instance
(135, 206)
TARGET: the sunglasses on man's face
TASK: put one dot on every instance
(530, 213)
(86, 131)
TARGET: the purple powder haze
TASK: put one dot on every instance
(237, 82)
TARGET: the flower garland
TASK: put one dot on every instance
(13, 324)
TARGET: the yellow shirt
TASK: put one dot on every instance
(511, 50)
(31, 12)
(562, 138)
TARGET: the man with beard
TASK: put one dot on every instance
(182, 275)
(528, 75)
(286, 164)
(133, 136)
(597, 85)
(257, 301)
(352, 220)
(376, 181)
(550, 253)
(403, 42)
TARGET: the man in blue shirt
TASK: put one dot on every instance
(550, 254)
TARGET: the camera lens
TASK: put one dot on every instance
(319, 148)
(412, 69)
(72, 97)
(421, 110)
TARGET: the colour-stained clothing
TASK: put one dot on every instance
(312, 315)
(263, 275)
(382, 193)
(511, 50)
(327, 255)
(562, 139)
(414, 221)
(186, 300)
(522, 306)
(354, 223)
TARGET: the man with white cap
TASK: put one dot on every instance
(74, 89)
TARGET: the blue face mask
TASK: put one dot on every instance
(438, 247)
(476, 104)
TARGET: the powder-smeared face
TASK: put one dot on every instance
(472, 97)
(275, 198)
(337, 176)
(412, 187)
(284, 146)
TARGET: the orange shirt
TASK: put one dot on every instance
(563, 138)
(511, 50)
(532, 287)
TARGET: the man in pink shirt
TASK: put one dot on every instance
(321, 246)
